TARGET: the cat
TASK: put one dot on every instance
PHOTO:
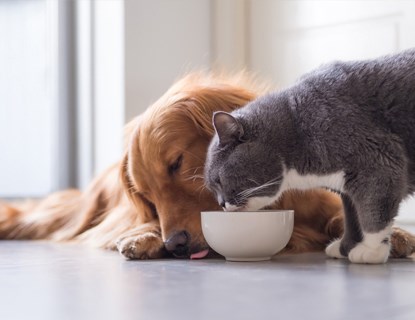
(347, 126)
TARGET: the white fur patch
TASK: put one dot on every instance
(373, 248)
(333, 250)
(293, 180)
(231, 207)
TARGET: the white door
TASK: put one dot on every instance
(289, 38)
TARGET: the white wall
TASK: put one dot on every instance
(289, 38)
(163, 40)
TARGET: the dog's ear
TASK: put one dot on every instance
(146, 210)
(204, 102)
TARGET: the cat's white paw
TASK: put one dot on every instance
(333, 250)
(363, 253)
(374, 248)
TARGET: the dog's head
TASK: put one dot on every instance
(162, 170)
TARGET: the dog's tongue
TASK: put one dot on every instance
(199, 255)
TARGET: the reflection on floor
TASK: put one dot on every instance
(41, 280)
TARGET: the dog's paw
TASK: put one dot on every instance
(333, 250)
(148, 245)
(364, 253)
(402, 243)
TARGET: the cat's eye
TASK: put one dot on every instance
(175, 166)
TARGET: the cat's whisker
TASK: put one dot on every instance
(250, 191)
(254, 181)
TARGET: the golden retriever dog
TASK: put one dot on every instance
(148, 205)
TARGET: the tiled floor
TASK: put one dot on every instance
(57, 281)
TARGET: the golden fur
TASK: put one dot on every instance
(137, 204)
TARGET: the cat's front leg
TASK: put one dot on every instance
(376, 205)
(340, 248)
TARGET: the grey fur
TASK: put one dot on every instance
(355, 117)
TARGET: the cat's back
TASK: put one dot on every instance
(362, 98)
(366, 78)
(383, 89)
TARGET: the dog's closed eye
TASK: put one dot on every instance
(175, 166)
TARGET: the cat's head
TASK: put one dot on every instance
(240, 168)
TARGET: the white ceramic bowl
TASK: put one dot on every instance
(248, 235)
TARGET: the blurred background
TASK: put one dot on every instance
(73, 72)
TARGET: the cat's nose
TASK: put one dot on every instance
(177, 244)
(221, 201)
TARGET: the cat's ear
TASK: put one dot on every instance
(227, 127)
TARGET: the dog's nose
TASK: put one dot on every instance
(178, 244)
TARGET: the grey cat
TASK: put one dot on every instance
(347, 126)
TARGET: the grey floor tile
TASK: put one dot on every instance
(41, 280)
